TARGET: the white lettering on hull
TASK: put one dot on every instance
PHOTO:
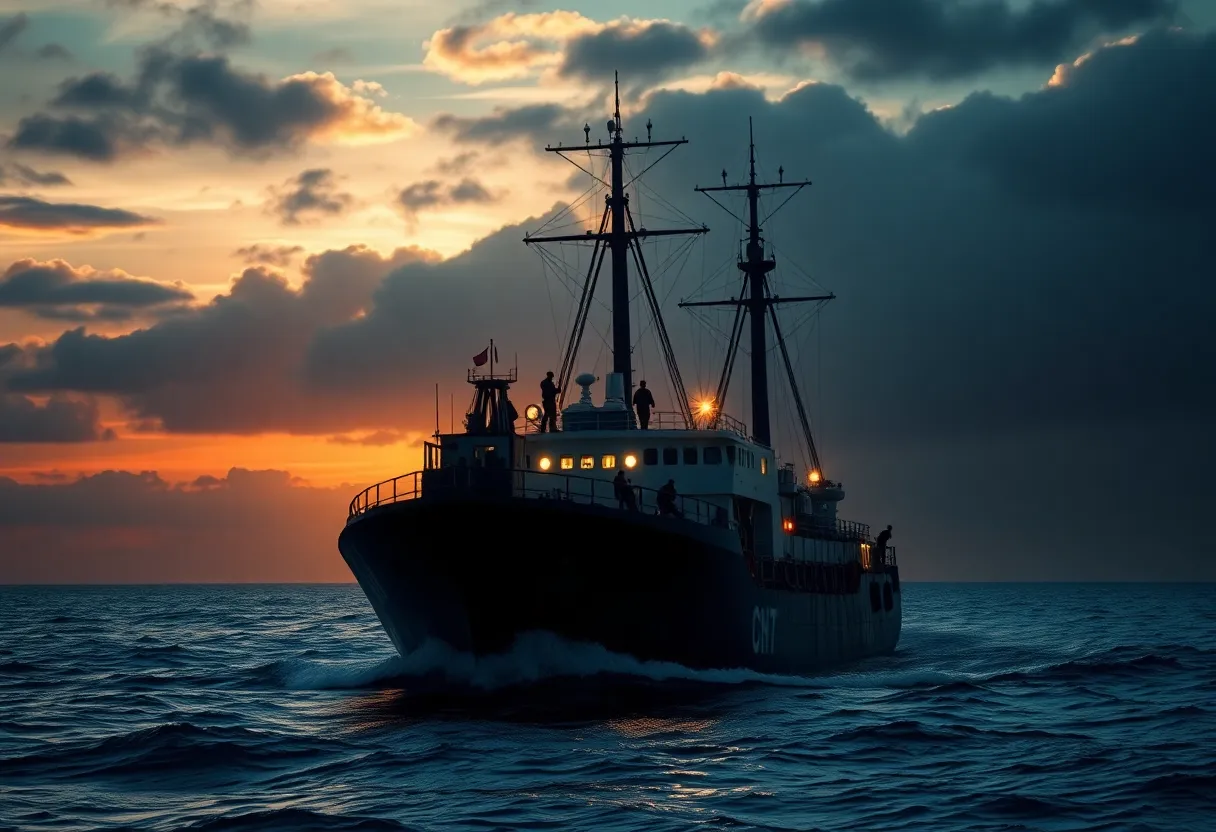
(764, 630)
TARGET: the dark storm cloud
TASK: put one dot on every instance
(186, 99)
(236, 364)
(268, 255)
(432, 193)
(948, 39)
(312, 193)
(59, 420)
(116, 526)
(11, 28)
(57, 291)
(653, 50)
(73, 218)
(25, 175)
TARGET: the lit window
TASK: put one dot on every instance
(545, 463)
(787, 524)
(630, 460)
(608, 461)
(763, 465)
(587, 463)
(567, 463)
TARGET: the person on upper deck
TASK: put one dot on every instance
(643, 403)
(624, 492)
(667, 500)
(548, 400)
(880, 547)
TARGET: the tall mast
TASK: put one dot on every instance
(755, 302)
(621, 238)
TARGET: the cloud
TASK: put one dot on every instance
(943, 39)
(565, 42)
(30, 214)
(12, 28)
(378, 439)
(533, 122)
(313, 193)
(268, 255)
(58, 420)
(116, 526)
(55, 290)
(54, 52)
(432, 193)
(237, 364)
(25, 175)
(180, 100)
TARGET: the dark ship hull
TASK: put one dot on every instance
(475, 572)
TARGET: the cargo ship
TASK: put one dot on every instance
(666, 536)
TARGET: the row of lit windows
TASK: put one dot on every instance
(711, 455)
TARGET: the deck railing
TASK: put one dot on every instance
(534, 485)
(659, 420)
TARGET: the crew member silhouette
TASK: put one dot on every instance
(548, 401)
(667, 500)
(643, 402)
(880, 548)
(624, 492)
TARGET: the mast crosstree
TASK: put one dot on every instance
(756, 301)
(619, 237)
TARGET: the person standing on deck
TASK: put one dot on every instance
(643, 402)
(880, 548)
(548, 400)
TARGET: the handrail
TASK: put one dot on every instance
(659, 420)
(553, 485)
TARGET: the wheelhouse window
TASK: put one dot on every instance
(567, 463)
(690, 456)
(730, 454)
(671, 456)
(587, 463)
(713, 455)
(608, 461)
(650, 456)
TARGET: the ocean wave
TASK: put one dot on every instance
(534, 657)
(165, 752)
(294, 820)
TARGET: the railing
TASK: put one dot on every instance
(838, 529)
(534, 485)
(659, 420)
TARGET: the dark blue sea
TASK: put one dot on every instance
(1006, 707)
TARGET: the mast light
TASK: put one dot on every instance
(814, 476)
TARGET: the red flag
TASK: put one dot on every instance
(482, 357)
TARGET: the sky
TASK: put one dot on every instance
(241, 241)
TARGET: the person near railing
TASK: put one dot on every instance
(643, 402)
(624, 492)
(548, 402)
(667, 500)
(880, 547)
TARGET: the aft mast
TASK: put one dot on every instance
(619, 236)
(759, 304)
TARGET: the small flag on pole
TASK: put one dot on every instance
(482, 357)
(496, 353)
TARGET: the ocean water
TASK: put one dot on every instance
(1027, 707)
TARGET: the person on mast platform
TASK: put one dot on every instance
(548, 400)
(643, 402)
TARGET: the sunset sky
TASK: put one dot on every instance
(242, 241)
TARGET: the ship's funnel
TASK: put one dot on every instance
(614, 391)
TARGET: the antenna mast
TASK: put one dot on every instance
(619, 237)
(757, 303)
